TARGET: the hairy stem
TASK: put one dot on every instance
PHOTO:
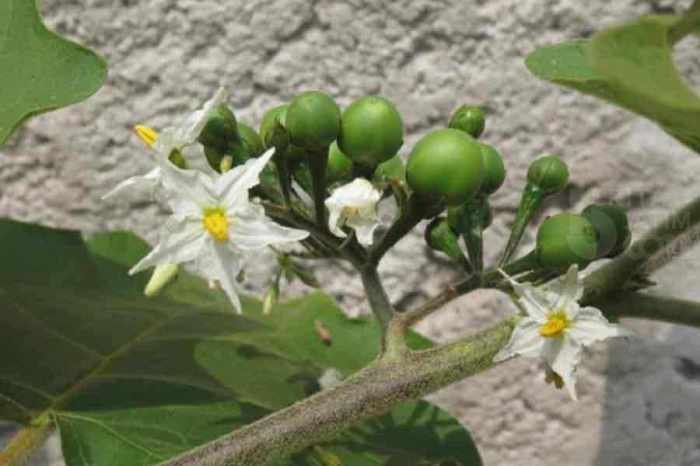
(612, 276)
(369, 393)
(393, 343)
(645, 306)
(25, 442)
(410, 217)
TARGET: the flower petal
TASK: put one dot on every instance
(562, 355)
(232, 187)
(591, 326)
(335, 220)
(197, 160)
(569, 289)
(182, 242)
(364, 228)
(189, 191)
(536, 302)
(136, 185)
(251, 230)
(221, 263)
(524, 341)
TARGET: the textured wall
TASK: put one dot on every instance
(638, 400)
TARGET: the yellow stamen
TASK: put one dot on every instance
(147, 134)
(216, 223)
(556, 323)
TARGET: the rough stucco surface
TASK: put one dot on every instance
(639, 399)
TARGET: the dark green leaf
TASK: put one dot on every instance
(41, 71)
(134, 381)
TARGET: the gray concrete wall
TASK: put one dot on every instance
(639, 400)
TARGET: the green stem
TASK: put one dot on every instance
(26, 441)
(688, 24)
(529, 204)
(382, 309)
(283, 174)
(409, 218)
(371, 392)
(318, 162)
(612, 276)
(473, 237)
(646, 306)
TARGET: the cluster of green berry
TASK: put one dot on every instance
(448, 177)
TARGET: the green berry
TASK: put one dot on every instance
(272, 127)
(494, 170)
(339, 165)
(392, 169)
(612, 228)
(371, 131)
(220, 128)
(460, 217)
(446, 164)
(469, 119)
(313, 120)
(251, 139)
(549, 173)
(566, 239)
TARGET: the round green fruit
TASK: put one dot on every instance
(446, 165)
(469, 119)
(220, 129)
(272, 123)
(566, 239)
(339, 165)
(371, 131)
(392, 169)
(549, 173)
(494, 170)
(313, 120)
(612, 228)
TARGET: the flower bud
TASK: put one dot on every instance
(220, 129)
(446, 165)
(566, 239)
(469, 119)
(313, 120)
(371, 131)
(549, 173)
(612, 228)
(339, 165)
(251, 139)
(440, 237)
(162, 275)
(494, 170)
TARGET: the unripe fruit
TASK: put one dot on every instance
(549, 173)
(469, 119)
(566, 239)
(392, 169)
(494, 170)
(611, 225)
(220, 128)
(460, 220)
(251, 139)
(371, 131)
(272, 124)
(313, 120)
(446, 164)
(339, 165)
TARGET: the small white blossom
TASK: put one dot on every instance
(214, 225)
(181, 138)
(354, 205)
(556, 328)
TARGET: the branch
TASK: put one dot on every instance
(613, 275)
(646, 306)
(25, 442)
(371, 392)
(382, 309)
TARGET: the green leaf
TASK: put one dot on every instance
(631, 66)
(41, 70)
(130, 380)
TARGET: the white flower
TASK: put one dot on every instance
(181, 138)
(214, 224)
(556, 328)
(354, 205)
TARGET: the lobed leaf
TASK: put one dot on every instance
(130, 380)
